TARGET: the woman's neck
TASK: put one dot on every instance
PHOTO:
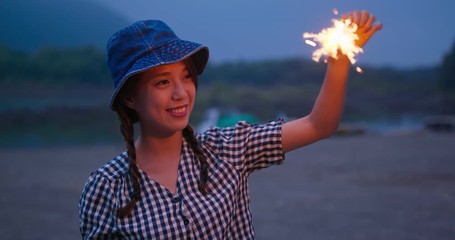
(160, 158)
(159, 148)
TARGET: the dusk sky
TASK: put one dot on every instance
(416, 32)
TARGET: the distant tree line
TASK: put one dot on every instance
(87, 65)
(70, 103)
(52, 65)
(260, 87)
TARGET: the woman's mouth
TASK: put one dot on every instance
(178, 111)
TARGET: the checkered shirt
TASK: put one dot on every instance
(233, 153)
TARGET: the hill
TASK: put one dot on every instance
(30, 25)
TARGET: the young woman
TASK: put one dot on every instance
(172, 183)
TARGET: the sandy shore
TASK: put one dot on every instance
(362, 187)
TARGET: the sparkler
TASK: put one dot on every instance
(340, 38)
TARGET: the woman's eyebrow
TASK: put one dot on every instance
(160, 74)
(165, 73)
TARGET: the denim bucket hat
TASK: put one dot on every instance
(146, 44)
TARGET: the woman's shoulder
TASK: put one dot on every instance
(215, 134)
(114, 169)
(239, 136)
(104, 181)
(222, 132)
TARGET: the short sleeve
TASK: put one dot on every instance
(96, 209)
(249, 147)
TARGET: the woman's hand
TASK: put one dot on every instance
(366, 25)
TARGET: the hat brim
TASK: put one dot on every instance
(172, 52)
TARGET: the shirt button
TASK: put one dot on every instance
(186, 221)
(176, 199)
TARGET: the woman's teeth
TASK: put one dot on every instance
(177, 110)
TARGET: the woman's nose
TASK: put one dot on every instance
(178, 91)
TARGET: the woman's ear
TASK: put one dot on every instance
(129, 102)
(128, 91)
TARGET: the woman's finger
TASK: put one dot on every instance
(368, 24)
(364, 18)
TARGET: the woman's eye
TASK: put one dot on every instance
(161, 82)
(188, 76)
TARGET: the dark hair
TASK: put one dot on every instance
(128, 117)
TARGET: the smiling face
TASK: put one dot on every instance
(163, 99)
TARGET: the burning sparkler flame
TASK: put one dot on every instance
(340, 38)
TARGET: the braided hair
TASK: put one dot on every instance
(128, 117)
(188, 134)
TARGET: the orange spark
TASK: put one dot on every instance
(311, 43)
